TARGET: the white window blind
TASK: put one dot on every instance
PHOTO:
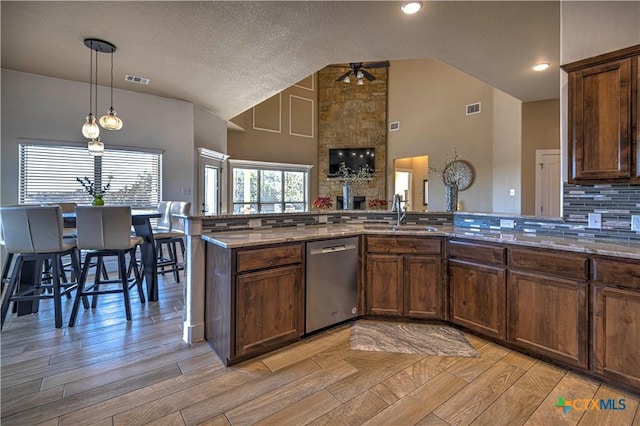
(48, 173)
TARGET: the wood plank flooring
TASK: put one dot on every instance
(105, 371)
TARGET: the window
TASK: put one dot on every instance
(48, 173)
(269, 187)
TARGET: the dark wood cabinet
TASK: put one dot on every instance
(616, 320)
(477, 286)
(268, 308)
(254, 299)
(404, 277)
(547, 304)
(603, 117)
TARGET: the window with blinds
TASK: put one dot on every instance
(48, 174)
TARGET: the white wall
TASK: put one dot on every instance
(507, 152)
(36, 107)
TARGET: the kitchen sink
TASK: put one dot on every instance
(401, 228)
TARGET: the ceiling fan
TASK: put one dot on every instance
(358, 70)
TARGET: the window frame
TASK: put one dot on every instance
(95, 171)
(269, 166)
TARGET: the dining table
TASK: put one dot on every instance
(141, 222)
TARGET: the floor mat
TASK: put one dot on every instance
(423, 339)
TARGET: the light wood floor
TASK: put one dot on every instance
(106, 371)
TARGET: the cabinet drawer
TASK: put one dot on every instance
(549, 262)
(615, 272)
(483, 253)
(404, 245)
(249, 260)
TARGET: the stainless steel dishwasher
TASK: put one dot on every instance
(332, 282)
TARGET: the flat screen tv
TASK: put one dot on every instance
(354, 158)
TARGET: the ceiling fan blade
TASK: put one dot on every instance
(382, 64)
(367, 75)
(343, 76)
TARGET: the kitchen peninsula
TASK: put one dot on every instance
(569, 299)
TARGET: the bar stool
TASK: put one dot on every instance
(35, 234)
(106, 232)
(168, 240)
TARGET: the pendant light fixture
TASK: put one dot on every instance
(96, 147)
(111, 121)
(90, 129)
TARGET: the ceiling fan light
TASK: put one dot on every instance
(411, 7)
(347, 80)
(360, 82)
(90, 129)
(359, 75)
(111, 121)
(95, 147)
(541, 66)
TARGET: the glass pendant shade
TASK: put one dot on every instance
(111, 121)
(347, 80)
(95, 147)
(360, 82)
(359, 74)
(90, 129)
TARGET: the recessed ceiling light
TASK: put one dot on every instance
(411, 7)
(541, 67)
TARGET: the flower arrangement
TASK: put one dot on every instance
(323, 203)
(377, 204)
(451, 170)
(348, 175)
(90, 186)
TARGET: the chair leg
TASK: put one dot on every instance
(11, 287)
(80, 291)
(5, 270)
(57, 297)
(96, 282)
(122, 270)
(133, 265)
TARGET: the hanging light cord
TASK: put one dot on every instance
(111, 81)
(96, 100)
(91, 79)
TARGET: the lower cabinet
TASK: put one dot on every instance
(401, 282)
(268, 308)
(616, 320)
(547, 304)
(477, 286)
(254, 299)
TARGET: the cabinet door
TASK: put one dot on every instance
(423, 287)
(477, 295)
(384, 294)
(616, 339)
(548, 316)
(269, 308)
(599, 122)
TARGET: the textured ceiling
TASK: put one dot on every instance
(228, 56)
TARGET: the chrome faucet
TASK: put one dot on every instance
(397, 208)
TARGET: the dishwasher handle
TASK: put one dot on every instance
(332, 249)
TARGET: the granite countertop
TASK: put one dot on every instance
(263, 236)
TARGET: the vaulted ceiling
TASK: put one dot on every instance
(227, 56)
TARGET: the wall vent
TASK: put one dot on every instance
(134, 79)
(473, 108)
(394, 125)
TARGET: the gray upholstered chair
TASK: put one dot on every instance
(35, 234)
(167, 241)
(106, 232)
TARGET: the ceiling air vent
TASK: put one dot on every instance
(473, 108)
(134, 79)
(393, 126)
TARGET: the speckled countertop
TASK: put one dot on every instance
(262, 236)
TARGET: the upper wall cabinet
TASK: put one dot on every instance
(603, 118)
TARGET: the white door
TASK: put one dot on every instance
(548, 182)
(211, 190)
